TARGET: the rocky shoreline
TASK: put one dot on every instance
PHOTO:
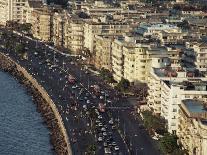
(58, 138)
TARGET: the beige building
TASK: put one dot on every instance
(97, 28)
(13, 10)
(74, 34)
(58, 28)
(192, 128)
(140, 58)
(29, 7)
(103, 51)
(42, 24)
(118, 59)
(201, 56)
(133, 58)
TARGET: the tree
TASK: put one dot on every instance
(168, 143)
(123, 85)
(26, 28)
(106, 75)
(91, 149)
(153, 122)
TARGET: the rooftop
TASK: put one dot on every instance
(194, 109)
(194, 106)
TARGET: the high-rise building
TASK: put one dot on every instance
(12, 10)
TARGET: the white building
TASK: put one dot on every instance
(153, 29)
(167, 87)
(201, 56)
(192, 127)
(172, 92)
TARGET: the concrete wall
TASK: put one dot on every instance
(7, 64)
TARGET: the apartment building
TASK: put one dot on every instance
(103, 51)
(97, 28)
(13, 10)
(138, 60)
(153, 29)
(29, 7)
(118, 59)
(58, 29)
(192, 126)
(200, 50)
(42, 23)
(172, 92)
(74, 34)
(167, 37)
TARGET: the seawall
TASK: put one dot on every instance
(45, 105)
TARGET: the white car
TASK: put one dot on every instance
(88, 101)
(100, 117)
(101, 97)
(104, 134)
(100, 139)
(107, 150)
(103, 129)
(116, 148)
(111, 122)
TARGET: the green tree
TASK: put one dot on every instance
(153, 122)
(106, 75)
(168, 143)
(123, 85)
(91, 149)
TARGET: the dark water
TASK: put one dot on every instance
(21, 128)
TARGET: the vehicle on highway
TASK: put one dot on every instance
(111, 122)
(107, 150)
(116, 148)
(101, 107)
(96, 89)
(100, 139)
(71, 79)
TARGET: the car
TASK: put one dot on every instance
(113, 143)
(85, 98)
(100, 117)
(113, 127)
(108, 101)
(103, 129)
(100, 124)
(100, 139)
(97, 121)
(111, 122)
(72, 63)
(105, 144)
(73, 87)
(104, 134)
(102, 92)
(116, 148)
(107, 150)
(88, 101)
(87, 94)
(101, 97)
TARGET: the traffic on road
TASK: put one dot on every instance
(93, 113)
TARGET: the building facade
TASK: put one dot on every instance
(192, 127)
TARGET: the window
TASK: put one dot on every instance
(174, 110)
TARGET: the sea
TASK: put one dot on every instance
(22, 131)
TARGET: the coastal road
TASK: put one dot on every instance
(51, 70)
